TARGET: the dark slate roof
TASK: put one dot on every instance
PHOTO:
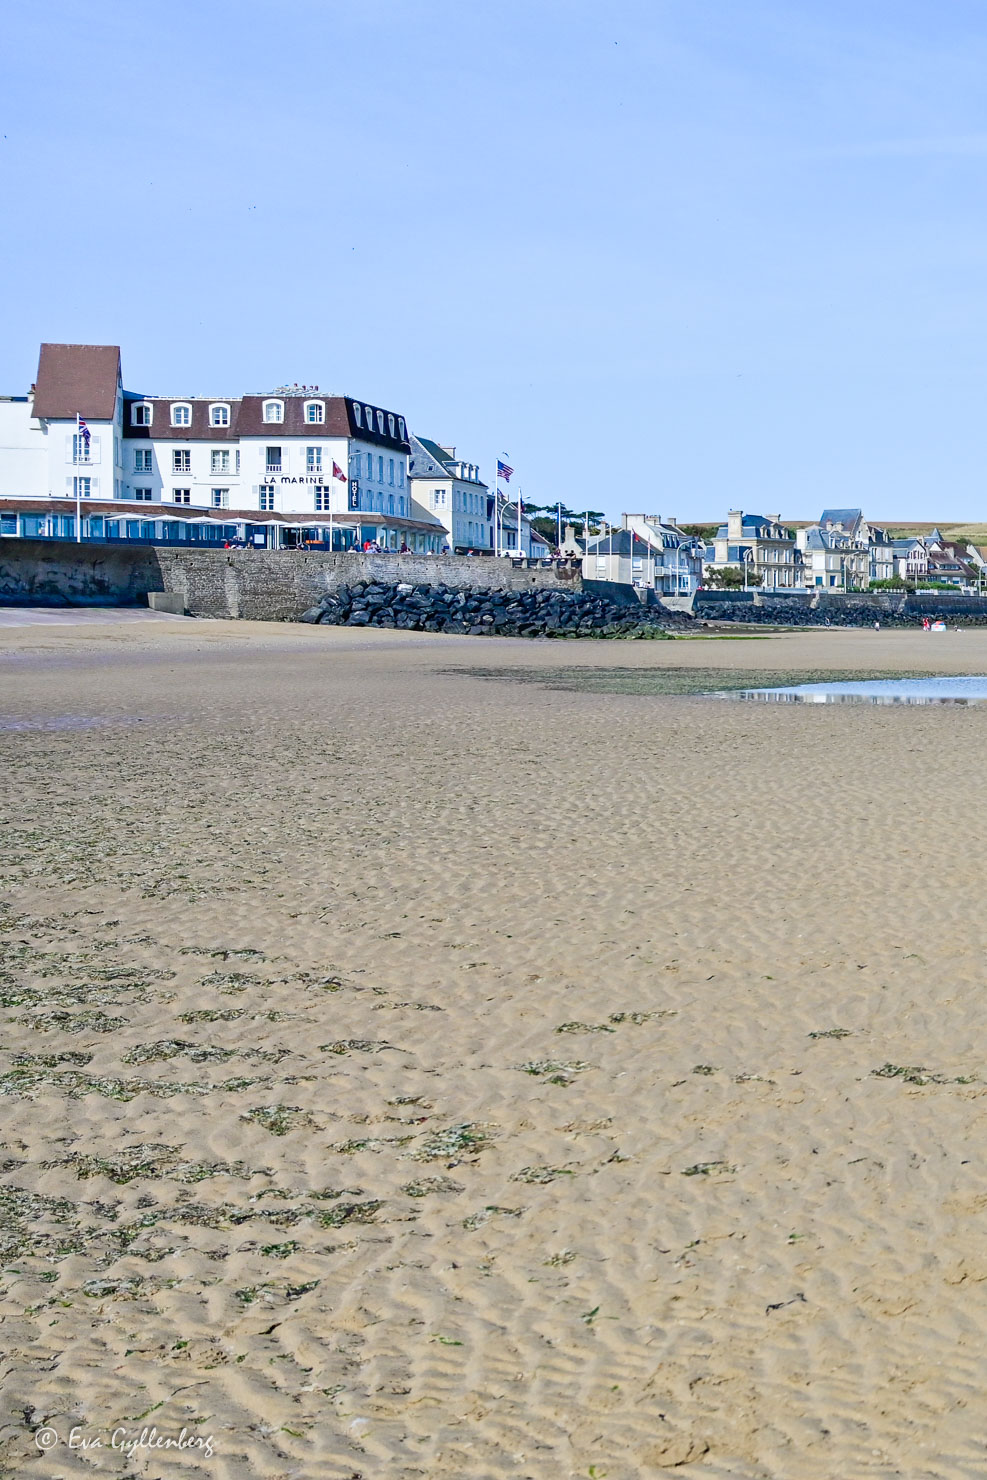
(77, 379)
(621, 542)
(840, 516)
(750, 523)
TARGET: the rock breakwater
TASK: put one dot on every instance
(481, 613)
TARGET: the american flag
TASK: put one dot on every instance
(83, 431)
(503, 471)
(337, 472)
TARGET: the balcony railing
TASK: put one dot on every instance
(81, 459)
(273, 467)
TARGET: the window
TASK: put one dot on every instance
(81, 487)
(80, 449)
(142, 460)
(401, 431)
(181, 495)
(181, 416)
(315, 412)
(390, 425)
(400, 474)
(390, 470)
(219, 460)
(274, 411)
(221, 498)
(357, 417)
(219, 416)
(142, 495)
(380, 469)
(140, 414)
(181, 460)
(267, 496)
(313, 459)
(390, 503)
(323, 497)
(380, 422)
(274, 459)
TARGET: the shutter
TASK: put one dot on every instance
(94, 486)
(68, 486)
(68, 448)
(94, 449)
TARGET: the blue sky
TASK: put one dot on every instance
(670, 257)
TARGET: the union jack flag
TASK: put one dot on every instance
(503, 471)
(84, 431)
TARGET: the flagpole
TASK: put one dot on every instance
(78, 484)
(520, 506)
(496, 510)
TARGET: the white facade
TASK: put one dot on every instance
(453, 491)
(310, 467)
(647, 552)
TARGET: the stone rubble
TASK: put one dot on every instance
(483, 613)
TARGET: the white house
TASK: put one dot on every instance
(291, 466)
(647, 552)
(454, 493)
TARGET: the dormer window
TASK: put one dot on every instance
(274, 411)
(380, 422)
(401, 430)
(219, 416)
(390, 425)
(357, 415)
(181, 416)
(315, 412)
(140, 414)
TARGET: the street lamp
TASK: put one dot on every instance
(748, 560)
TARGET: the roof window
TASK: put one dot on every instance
(219, 416)
(140, 414)
(181, 415)
(274, 411)
(315, 412)
(357, 414)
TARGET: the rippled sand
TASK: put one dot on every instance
(415, 1074)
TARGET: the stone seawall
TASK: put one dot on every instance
(834, 609)
(262, 585)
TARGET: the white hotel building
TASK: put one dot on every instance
(290, 467)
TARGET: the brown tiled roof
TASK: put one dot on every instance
(199, 431)
(77, 379)
(247, 420)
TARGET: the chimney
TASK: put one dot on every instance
(775, 518)
(735, 524)
(625, 518)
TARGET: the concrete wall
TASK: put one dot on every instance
(263, 585)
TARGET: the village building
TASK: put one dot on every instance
(759, 544)
(833, 560)
(454, 494)
(292, 466)
(647, 552)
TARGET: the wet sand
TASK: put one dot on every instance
(408, 1073)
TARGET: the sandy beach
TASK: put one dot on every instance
(414, 1071)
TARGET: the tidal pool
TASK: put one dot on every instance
(966, 689)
